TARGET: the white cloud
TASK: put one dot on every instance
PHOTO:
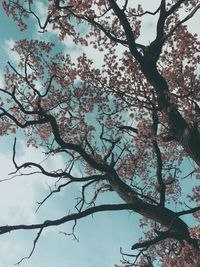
(193, 24)
(18, 196)
(12, 55)
(41, 11)
(1, 79)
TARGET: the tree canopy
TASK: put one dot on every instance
(125, 124)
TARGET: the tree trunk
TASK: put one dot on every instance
(188, 136)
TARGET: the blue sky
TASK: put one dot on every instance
(101, 236)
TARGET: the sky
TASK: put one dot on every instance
(101, 236)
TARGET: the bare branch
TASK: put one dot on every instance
(175, 7)
(148, 13)
(72, 233)
(34, 245)
(162, 187)
(40, 203)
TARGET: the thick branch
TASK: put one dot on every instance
(148, 243)
(188, 136)
(67, 218)
(127, 29)
(184, 212)
(161, 21)
(177, 227)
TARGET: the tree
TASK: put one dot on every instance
(128, 126)
(186, 256)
